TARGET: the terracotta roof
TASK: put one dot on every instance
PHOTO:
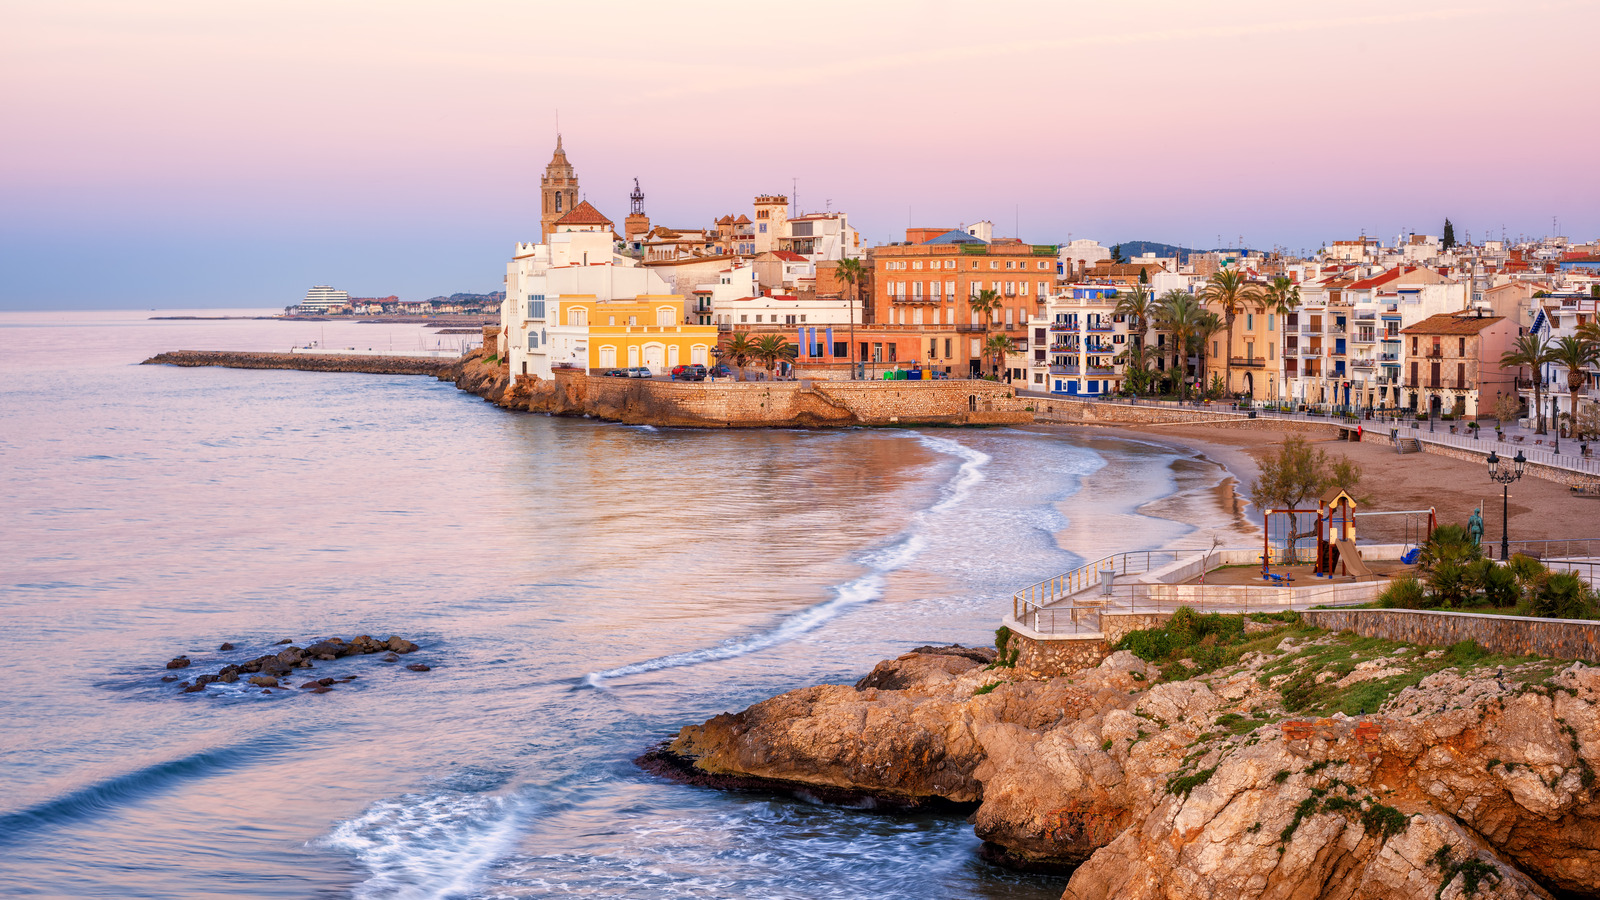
(789, 256)
(1452, 323)
(583, 214)
(742, 220)
(725, 220)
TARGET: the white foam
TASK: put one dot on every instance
(430, 847)
(864, 589)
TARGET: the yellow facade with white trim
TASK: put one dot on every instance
(647, 330)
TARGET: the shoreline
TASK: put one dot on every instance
(1538, 510)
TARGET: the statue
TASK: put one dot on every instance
(1475, 526)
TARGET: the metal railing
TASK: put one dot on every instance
(1054, 590)
(1567, 551)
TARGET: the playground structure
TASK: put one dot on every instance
(1333, 525)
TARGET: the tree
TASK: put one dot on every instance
(1207, 326)
(741, 350)
(1138, 370)
(1449, 235)
(1532, 351)
(1116, 255)
(770, 348)
(1574, 355)
(1507, 409)
(1179, 313)
(1144, 275)
(997, 346)
(1230, 292)
(1281, 296)
(987, 305)
(852, 273)
(1295, 475)
(1137, 306)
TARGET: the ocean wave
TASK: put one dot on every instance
(864, 589)
(427, 847)
(96, 799)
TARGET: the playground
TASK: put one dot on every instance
(1299, 575)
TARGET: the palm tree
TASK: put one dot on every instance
(1137, 305)
(852, 273)
(1208, 324)
(1282, 296)
(1532, 351)
(987, 305)
(741, 350)
(1574, 354)
(1138, 371)
(997, 345)
(1179, 313)
(769, 348)
(1230, 292)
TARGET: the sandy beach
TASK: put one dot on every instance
(1538, 509)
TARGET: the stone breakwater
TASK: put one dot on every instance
(729, 404)
(1466, 783)
(374, 365)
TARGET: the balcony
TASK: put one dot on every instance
(1364, 363)
(1252, 362)
(1389, 357)
(1364, 339)
(1100, 329)
(1367, 315)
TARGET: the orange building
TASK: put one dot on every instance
(921, 289)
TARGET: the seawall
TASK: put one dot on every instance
(1517, 635)
(375, 365)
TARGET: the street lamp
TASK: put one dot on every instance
(1505, 477)
(1555, 421)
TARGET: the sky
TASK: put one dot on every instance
(203, 154)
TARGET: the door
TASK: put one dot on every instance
(633, 357)
(655, 357)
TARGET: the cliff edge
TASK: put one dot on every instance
(1469, 776)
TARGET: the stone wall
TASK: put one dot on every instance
(373, 365)
(1088, 412)
(1047, 657)
(1557, 638)
(1480, 457)
(1115, 626)
(768, 403)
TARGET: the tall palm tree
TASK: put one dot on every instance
(1138, 369)
(1137, 305)
(997, 346)
(1208, 324)
(987, 305)
(1589, 332)
(1532, 351)
(854, 274)
(769, 348)
(1574, 354)
(1179, 313)
(1231, 294)
(1281, 296)
(741, 349)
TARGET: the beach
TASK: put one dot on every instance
(1537, 509)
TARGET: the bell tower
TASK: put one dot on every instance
(559, 192)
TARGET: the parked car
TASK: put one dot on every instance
(615, 373)
(640, 372)
(690, 372)
(721, 371)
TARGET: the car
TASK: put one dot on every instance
(690, 372)
(721, 371)
(615, 373)
(640, 372)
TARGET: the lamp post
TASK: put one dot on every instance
(1505, 477)
(1555, 421)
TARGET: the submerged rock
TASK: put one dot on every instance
(178, 663)
(225, 647)
(419, 667)
(266, 681)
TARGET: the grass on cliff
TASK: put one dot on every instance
(1307, 677)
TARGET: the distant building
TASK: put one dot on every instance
(1453, 363)
(324, 299)
(558, 191)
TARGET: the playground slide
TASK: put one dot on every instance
(1351, 559)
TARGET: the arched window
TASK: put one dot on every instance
(533, 340)
(558, 201)
(665, 315)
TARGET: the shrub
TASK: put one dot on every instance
(1525, 569)
(1404, 592)
(1448, 585)
(1497, 584)
(1562, 595)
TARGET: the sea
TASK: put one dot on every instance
(580, 591)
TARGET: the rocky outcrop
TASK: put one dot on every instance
(375, 365)
(266, 671)
(1469, 783)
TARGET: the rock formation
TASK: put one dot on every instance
(1469, 782)
(266, 671)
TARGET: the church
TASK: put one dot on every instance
(573, 302)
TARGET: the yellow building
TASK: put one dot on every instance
(646, 330)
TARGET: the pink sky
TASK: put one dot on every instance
(235, 152)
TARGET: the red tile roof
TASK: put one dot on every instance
(789, 256)
(583, 214)
(1452, 323)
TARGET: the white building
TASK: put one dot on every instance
(1075, 342)
(323, 298)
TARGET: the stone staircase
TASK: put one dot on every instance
(1407, 445)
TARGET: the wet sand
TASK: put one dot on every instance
(1538, 509)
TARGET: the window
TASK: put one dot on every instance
(533, 340)
(558, 201)
(1008, 263)
(1461, 375)
(841, 349)
(611, 320)
(1249, 321)
(974, 264)
(994, 263)
(946, 348)
(758, 320)
(877, 353)
(666, 315)
(1269, 321)
(1214, 346)
(950, 288)
(536, 306)
(802, 320)
(917, 265)
(744, 318)
(1461, 350)
(949, 264)
(763, 228)
(1022, 287)
(1044, 289)
(891, 349)
(577, 316)
(1042, 265)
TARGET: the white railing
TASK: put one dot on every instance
(1483, 443)
(1028, 603)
